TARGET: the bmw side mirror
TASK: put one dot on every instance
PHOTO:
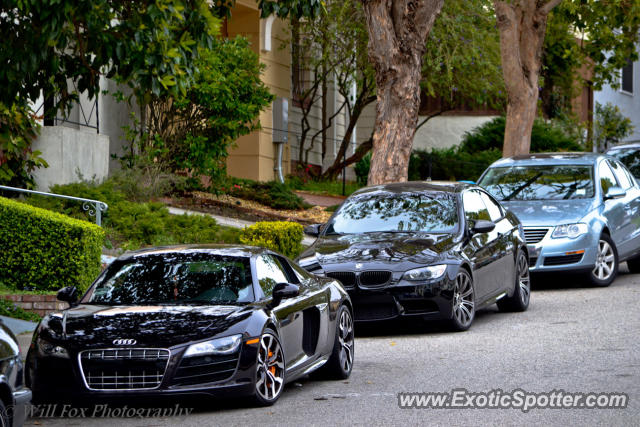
(614, 192)
(68, 294)
(283, 291)
(482, 226)
(313, 230)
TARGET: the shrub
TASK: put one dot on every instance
(284, 237)
(272, 193)
(361, 169)
(130, 225)
(9, 309)
(44, 250)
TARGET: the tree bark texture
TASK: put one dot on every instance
(522, 25)
(398, 31)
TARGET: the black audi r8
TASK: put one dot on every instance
(198, 320)
(435, 250)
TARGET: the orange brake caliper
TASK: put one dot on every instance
(273, 368)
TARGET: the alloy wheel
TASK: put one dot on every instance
(270, 370)
(605, 261)
(345, 338)
(524, 280)
(463, 304)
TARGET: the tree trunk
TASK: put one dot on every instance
(522, 25)
(398, 31)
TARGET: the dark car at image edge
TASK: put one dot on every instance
(14, 395)
(428, 250)
(204, 320)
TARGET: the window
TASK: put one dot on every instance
(607, 178)
(627, 77)
(270, 272)
(474, 207)
(494, 208)
(623, 179)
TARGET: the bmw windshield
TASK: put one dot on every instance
(176, 279)
(544, 182)
(434, 212)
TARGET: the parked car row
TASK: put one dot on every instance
(233, 320)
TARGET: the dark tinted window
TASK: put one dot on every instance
(630, 157)
(175, 279)
(434, 212)
(549, 182)
(474, 207)
(627, 77)
(270, 272)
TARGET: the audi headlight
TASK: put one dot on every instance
(46, 348)
(570, 230)
(426, 273)
(219, 346)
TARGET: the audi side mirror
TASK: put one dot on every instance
(283, 291)
(614, 192)
(482, 226)
(68, 294)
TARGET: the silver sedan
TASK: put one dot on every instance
(580, 211)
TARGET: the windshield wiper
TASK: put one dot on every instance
(523, 186)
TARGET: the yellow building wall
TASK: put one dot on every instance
(253, 155)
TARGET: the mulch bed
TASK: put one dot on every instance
(233, 207)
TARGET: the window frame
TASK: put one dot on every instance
(622, 78)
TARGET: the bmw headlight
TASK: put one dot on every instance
(219, 346)
(570, 230)
(49, 349)
(426, 273)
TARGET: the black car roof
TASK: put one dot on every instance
(416, 186)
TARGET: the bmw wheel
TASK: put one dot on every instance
(270, 369)
(464, 309)
(519, 301)
(606, 268)
(340, 362)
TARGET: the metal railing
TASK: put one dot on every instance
(92, 207)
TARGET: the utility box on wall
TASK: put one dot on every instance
(280, 120)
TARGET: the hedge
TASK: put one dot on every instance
(282, 236)
(44, 250)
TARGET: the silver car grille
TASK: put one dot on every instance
(123, 368)
(534, 235)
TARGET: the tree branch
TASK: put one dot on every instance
(547, 7)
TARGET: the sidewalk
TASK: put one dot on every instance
(320, 200)
(229, 222)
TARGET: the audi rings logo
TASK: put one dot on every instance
(124, 341)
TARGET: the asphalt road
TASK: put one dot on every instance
(573, 337)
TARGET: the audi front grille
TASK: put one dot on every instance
(123, 368)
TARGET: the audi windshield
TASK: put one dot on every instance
(180, 279)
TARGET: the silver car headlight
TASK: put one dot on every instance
(219, 346)
(425, 273)
(45, 348)
(570, 230)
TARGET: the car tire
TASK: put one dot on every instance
(463, 302)
(519, 301)
(340, 363)
(270, 369)
(606, 268)
(634, 265)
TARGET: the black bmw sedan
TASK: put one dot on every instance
(434, 250)
(196, 320)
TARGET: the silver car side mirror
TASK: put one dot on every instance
(614, 192)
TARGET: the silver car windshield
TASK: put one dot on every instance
(544, 182)
(396, 213)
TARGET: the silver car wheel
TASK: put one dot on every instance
(463, 304)
(524, 280)
(605, 261)
(270, 370)
(345, 338)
